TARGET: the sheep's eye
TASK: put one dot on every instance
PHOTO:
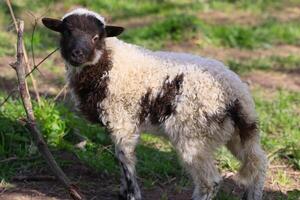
(95, 38)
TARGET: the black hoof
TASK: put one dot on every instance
(126, 196)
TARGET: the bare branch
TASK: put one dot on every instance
(31, 123)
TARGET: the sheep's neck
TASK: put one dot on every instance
(90, 87)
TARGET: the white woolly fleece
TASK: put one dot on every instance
(83, 11)
(207, 89)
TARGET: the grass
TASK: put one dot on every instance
(257, 6)
(277, 116)
(178, 23)
(282, 178)
(173, 21)
(262, 35)
(172, 28)
(126, 9)
(278, 63)
(7, 42)
(175, 28)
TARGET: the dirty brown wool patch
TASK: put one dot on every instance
(246, 128)
(90, 86)
(158, 109)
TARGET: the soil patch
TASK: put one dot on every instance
(224, 54)
(274, 80)
(220, 17)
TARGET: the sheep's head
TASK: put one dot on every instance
(82, 36)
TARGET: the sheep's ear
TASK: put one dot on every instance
(53, 24)
(112, 31)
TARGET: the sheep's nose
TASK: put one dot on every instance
(77, 53)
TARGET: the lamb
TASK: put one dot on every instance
(196, 102)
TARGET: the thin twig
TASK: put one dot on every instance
(8, 96)
(9, 159)
(31, 123)
(36, 66)
(31, 44)
(60, 92)
(32, 37)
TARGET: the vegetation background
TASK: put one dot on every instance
(258, 39)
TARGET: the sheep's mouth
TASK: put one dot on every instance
(77, 62)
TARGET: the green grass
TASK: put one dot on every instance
(277, 63)
(279, 122)
(172, 28)
(7, 42)
(178, 23)
(262, 35)
(120, 9)
(282, 178)
(180, 27)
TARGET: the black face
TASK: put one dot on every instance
(82, 37)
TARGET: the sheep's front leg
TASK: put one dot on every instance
(125, 151)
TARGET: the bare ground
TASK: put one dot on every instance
(223, 54)
(274, 80)
(288, 13)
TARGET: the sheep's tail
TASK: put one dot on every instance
(245, 145)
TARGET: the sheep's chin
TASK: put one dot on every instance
(78, 68)
(97, 56)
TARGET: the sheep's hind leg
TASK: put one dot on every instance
(125, 151)
(254, 164)
(201, 167)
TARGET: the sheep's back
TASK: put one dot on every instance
(208, 86)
